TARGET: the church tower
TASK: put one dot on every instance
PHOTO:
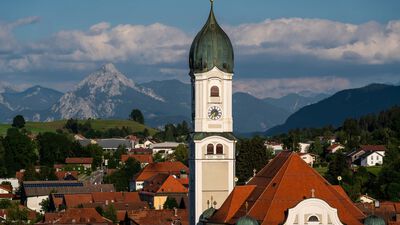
(212, 148)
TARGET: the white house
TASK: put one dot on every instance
(367, 199)
(334, 148)
(275, 147)
(308, 158)
(304, 147)
(371, 159)
(13, 181)
(164, 147)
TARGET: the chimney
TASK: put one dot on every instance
(175, 212)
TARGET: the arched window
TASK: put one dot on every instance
(313, 219)
(220, 149)
(210, 149)
(214, 91)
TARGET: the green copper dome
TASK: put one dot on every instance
(211, 47)
(246, 221)
(374, 220)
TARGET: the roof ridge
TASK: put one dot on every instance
(266, 187)
(276, 189)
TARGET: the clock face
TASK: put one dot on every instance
(214, 112)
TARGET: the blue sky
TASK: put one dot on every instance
(281, 46)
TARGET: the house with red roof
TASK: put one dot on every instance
(144, 159)
(334, 148)
(120, 200)
(367, 155)
(86, 162)
(158, 188)
(6, 192)
(152, 169)
(286, 191)
(153, 217)
(76, 216)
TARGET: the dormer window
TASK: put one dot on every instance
(214, 91)
(313, 220)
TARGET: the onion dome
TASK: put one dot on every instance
(246, 220)
(374, 220)
(211, 48)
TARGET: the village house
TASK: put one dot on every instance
(76, 216)
(6, 192)
(334, 148)
(143, 159)
(34, 192)
(86, 163)
(370, 159)
(275, 147)
(362, 155)
(152, 169)
(13, 181)
(164, 148)
(153, 217)
(309, 158)
(158, 188)
(304, 147)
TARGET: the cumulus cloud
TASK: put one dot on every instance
(278, 87)
(162, 50)
(369, 43)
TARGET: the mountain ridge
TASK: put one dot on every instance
(350, 103)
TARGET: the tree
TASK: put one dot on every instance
(19, 151)
(170, 203)
(54, 148)
(136, 115)
(111, 213)
(338, 167)
(72, 125)
(16, 215)
(18, 122)
(252, 155)
(45, 205)
(3, 168)
(181, 154)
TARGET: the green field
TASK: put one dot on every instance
(40, 127)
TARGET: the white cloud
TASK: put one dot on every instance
(278, 87)
(369, 43)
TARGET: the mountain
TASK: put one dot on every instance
(352, 103)
(107, 93)
(28, 102)
(252, 114)
(294, 102)
(34, 98)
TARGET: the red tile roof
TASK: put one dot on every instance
(281, 185)
(75, 200)
(153, 169)
(142, 158)
(6, 187)
(332, 147)
(79, 160)
(155, 217)
(7, 196)
(82, 216)
(172, 185)
(373, 148)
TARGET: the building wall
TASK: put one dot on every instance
(33, 203)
